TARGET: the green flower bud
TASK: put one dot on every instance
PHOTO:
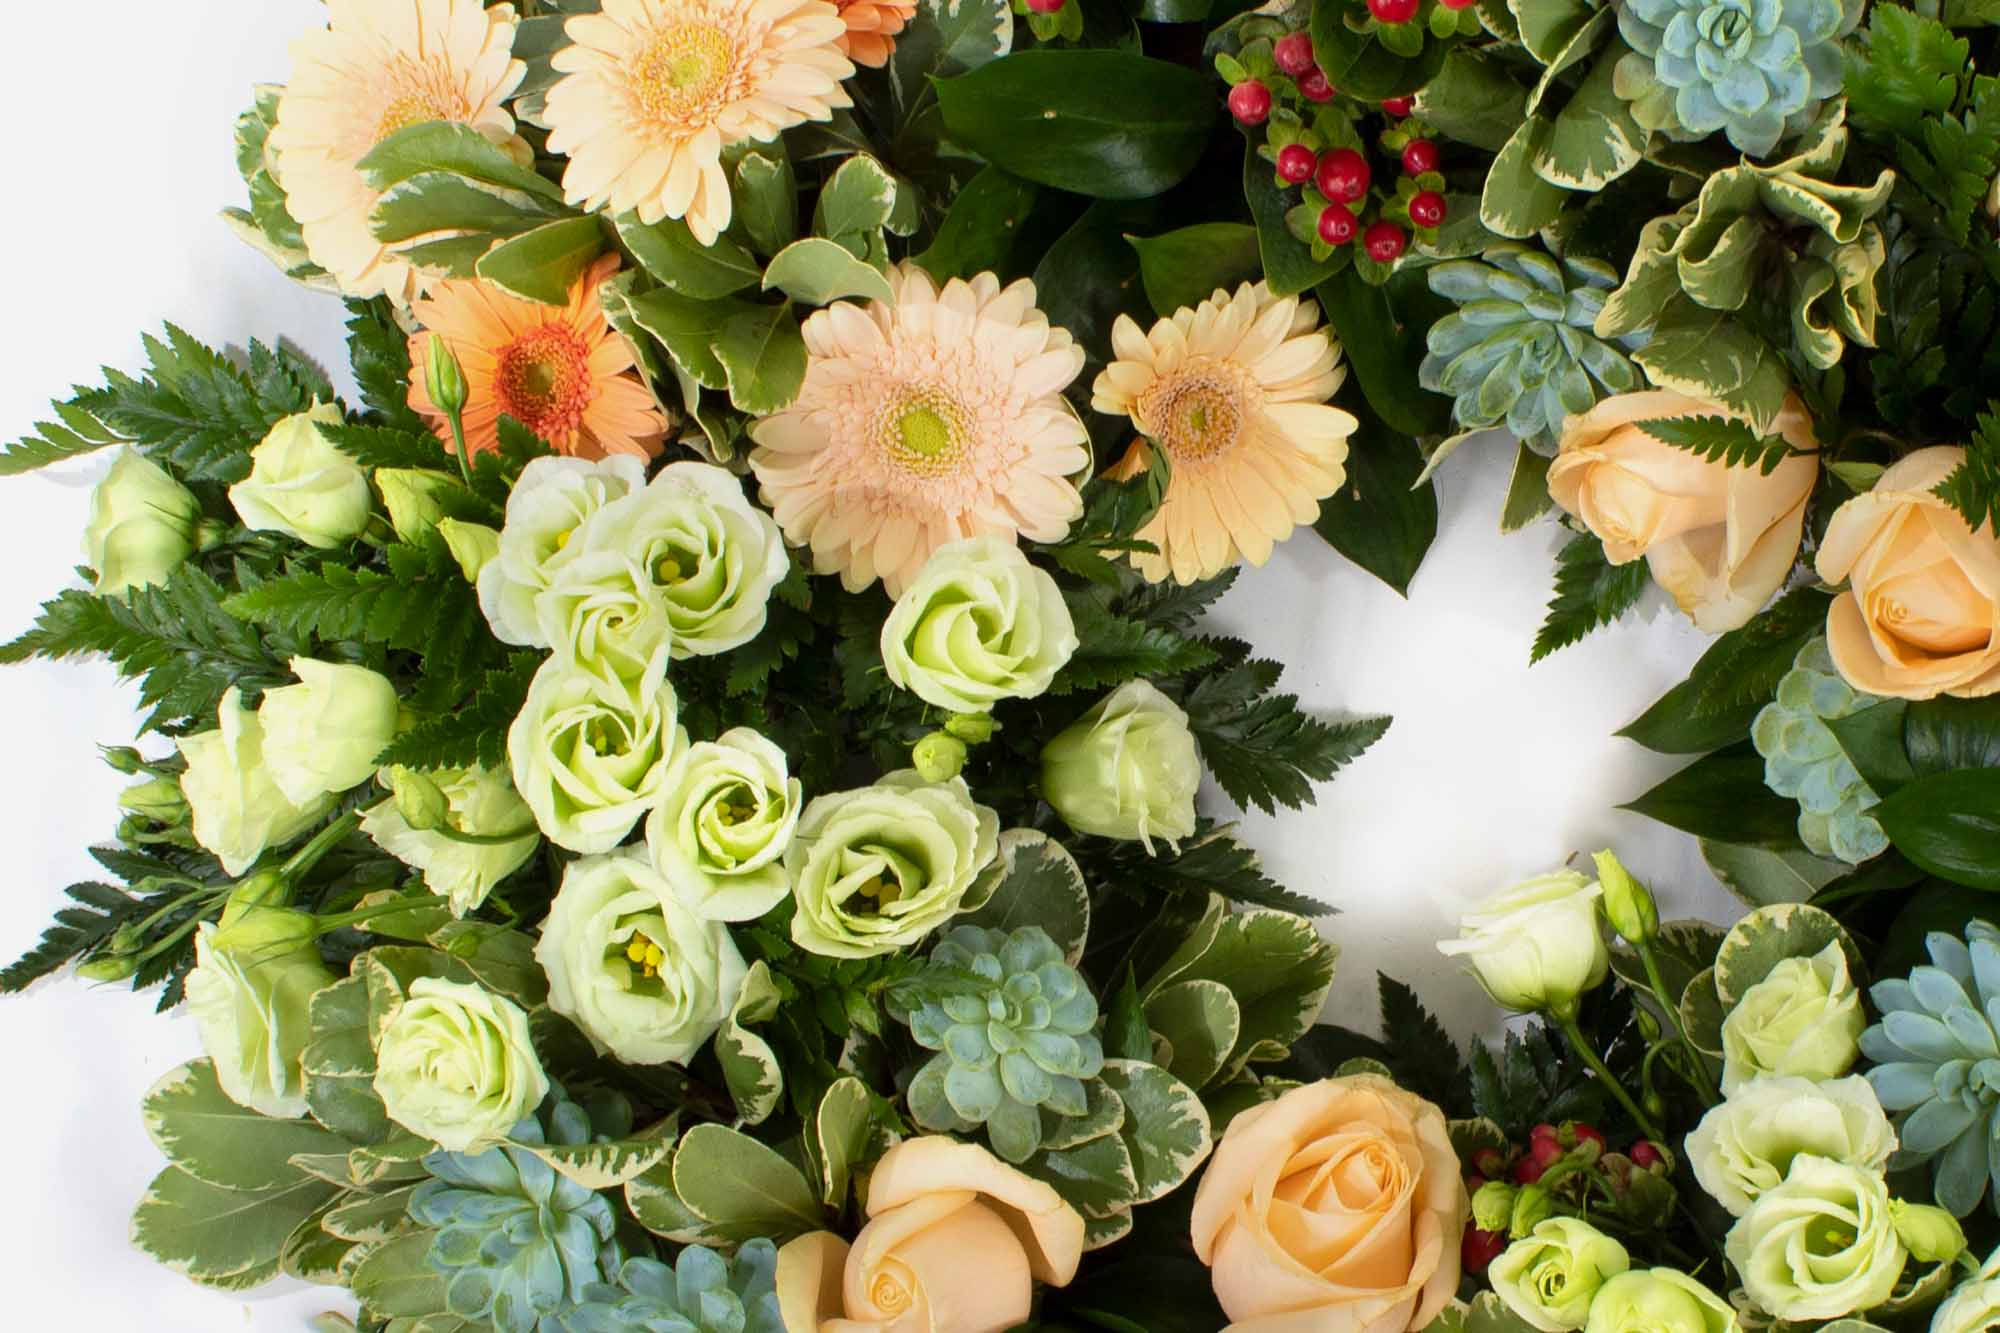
(1493, 1205)
(938, 757)
(141, 525)
(419, 800)
(444, 378)
(300, 485)
(1532, 1206)
(411, 495)
(471, 544)
(158, 799)
(1929, 1233)
(972, 728)
(1627, 903)
(1550, 1277)
(124, 759)
(108, 967)
(1126, 769)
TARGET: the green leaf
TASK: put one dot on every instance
(455, 149)
(1384, 517)
(608, 1165)
(1761, 876)
(1107, 124)
(1733, 680)
(544, 264)
(819, 272)
(1948, 823)
(1126, 1035)
(93, 913)
(763, 358)
(1767, 937)
(1707, 354)
(733, 1181)
(1722, 440)
(337, 602)
(1034, 882)
(1360, 65)
(223, 1238)
(750, 1068)
(339, 1064)
(1872, 738)
(1200, 1022)
(1527, 490)
(1213, 861)
(1278, 970)
(76, 433)
(200, 1130)
(1593, 140)
(378, 352)
(1946, 733)
(395, 1280)
(1902, 69)
(1381, 329)
(1113, 650)
(979, 231)
(1723, 797)
(1185, 267)
(1165, 1130)
(1090, 276)
(855, 203)
(766, 195)
(1473, 100)
(1095, 1178)
(389, 446)
(1590, 592)
(475, 732)
(841, 1130)
(1262, 748)
(1515, 201)
(668, 250)
(1973, 488)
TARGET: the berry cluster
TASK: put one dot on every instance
(1567, 1168)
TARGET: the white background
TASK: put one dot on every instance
(121, 156)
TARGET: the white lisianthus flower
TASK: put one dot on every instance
(1837, 1214)
(1746, 1145)
(253, 980)
(713, 556)
(1549, 1277)
(1659, 1300)
(300, 485)
(1975, 1306)
(455, 1063)
(1536, 946)
(726, 815)
(590, 750)
(877, 869)
(642, 976)
(479, 802)
(1126, 769)
(602, 612)
(238, 810)
(1804, 1018)
(323, 734)
(550, 501)
(978, 625)
(141, 527)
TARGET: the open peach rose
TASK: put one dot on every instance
(1921, 616)
(955, 1242)
(1720, 539)
(1337, 1208)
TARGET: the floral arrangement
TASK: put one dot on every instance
(673, 805)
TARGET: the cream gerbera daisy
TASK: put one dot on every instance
(933, 419)
(561, 371)
(872, 26)
(380, 66)
(1234, 390)
(654, 90)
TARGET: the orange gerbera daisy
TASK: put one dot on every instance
(872, 26)
(561, 371)
(1234, 390)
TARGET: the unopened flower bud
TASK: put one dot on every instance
(1627, 903)
(158, 799)
(124, 758)
(471, 544)
(419, 800)
(108, 967)
(972, 728)
(1930, 1234)
(414, 498)
(1532, 1206)
(938, 757)
(266, 888)
(444, 379)
(1493, 1206)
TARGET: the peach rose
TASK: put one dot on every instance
(956, 1240)
(1921, 615)
(1720, 539)
(1337, 1208)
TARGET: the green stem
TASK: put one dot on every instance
(308, 856)
(1567, 1023)
(1698, 1070)
(456, 417)
(329, 924)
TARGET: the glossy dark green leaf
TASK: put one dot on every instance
(1360, 66)
(543, 264)
(1108, 124)
(1184, 267)
(1382, 335)
(1090, 275)
(1945, 908)
(1376, 519)
(1944, 734)
(979, 231)
(1873, 740)
(1732, 681)
(1723, 797)
(1949, 823)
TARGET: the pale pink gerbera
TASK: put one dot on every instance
(872, 26)
(933, 419)
(380, 66)
(654, 90)
(1235, 391)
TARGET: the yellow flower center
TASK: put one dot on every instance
(645, 955)
(543, 381)
(425, 94)
(684, 73)
(923, 432)
(1196, 414)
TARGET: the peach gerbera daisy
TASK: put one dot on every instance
(654, 90)
(922, 422)
(872, 26)
(561, 371)
(1235, 391)
(380, 66)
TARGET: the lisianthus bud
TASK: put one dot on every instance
(141, 525)
(972, 728)
(238, 808)
(1493, 1205)
(1536, 946)
(419, 800)
(1929, 1233)
(444, 378)
(471, 544)
(418, 823)
(250, 991)
(1532, 1206)
(1627, 903)
(300, 485)
(123, 758)
(412, 497)
(322, 735)
(108, 967)
(938, 757)
(1126, 769)
(159, 799)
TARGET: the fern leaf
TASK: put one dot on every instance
(1973, 489)
(475, 732)
(1590, 592)
(1721, 440)
(1262, 748)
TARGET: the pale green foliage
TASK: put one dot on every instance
(1804, 760)
(701, 1293)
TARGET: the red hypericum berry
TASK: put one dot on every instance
(1542, 1131)
(1427, 208)
(1545, 1152)
(1385, 242)
(1578, 1128)
(1527, 1171)
(1296, 163)
(1398, 106)
(1314, 87)
(1473, 1181)
(1337, 224)
(1294, 53)
(1047, 6)
(1343, 175)
(1393, 11)
(1419, 156)
(1250, 102)
(1458, 4)
(1645, 1153)
(1490, 1162)
(1480, 1248)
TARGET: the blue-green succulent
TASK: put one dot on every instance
(1014, 1032)
(517, 1242)
(1937, 1064)
(1520, 349)
(1805, 761)
(701, 1293)
(1754, 69)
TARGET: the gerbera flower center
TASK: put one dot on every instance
(543, 381)
(683, 72)
(422, 94)
(1195, 415)
(923, 432)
